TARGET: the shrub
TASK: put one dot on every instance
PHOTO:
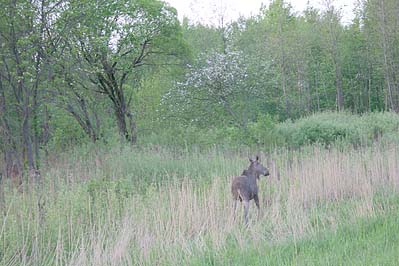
(329, 127)
(323, 128)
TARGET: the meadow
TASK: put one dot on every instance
(163, 206)
(122, 126)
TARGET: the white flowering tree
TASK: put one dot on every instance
(215, 87)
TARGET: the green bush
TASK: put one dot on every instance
(263, 131)
(330, 127)
(322, 128)
(377, 125)
(66, 132)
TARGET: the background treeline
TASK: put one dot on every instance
(74, 72)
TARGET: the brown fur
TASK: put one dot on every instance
(245, 188)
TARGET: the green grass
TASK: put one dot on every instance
(160, 206)
(368, 241)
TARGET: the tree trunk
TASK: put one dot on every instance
(283, 72)
(337, 67)
(46, 133)
(122, 125)
(333, 28)
(133, 128)
(126, 125)
(13, 163)
(338, 83)
(109, 85)
(36, 131)
(26, 135)
(285, 94)
(392, 100)
(83, 119)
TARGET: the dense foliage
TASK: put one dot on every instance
(88, 71)
(323, 128)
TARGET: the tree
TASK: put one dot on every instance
(250, 36)
(215, 85)
(112, 40)
(333, 32)
(381, 20)
(73, 93)
(27, 41)
(279, 26)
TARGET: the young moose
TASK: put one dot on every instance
(245, 187)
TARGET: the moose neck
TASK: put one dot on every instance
(252, 174)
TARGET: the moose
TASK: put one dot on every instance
(245, 187)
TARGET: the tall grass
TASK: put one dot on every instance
(171, 207)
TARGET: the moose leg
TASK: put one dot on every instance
(246, 208)
(235, 210)
(256, 199)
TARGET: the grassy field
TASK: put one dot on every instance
(368, 241)
(156, 206)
